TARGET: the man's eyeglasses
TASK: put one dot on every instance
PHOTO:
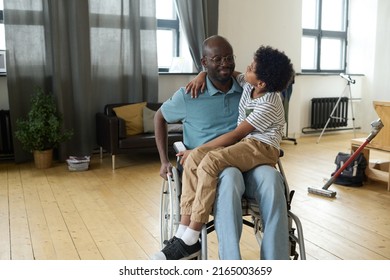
(218, 60)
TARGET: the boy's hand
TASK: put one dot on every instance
(197, 84)
(183, 155)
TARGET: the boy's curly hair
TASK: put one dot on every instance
(274, 68)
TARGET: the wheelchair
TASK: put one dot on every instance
(170, 215)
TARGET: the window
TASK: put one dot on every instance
(324, 35)
(2, 40)
(2, 33)
(172, 48)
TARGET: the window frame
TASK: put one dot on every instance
(319, 34)
(3, 63)
(174, 25)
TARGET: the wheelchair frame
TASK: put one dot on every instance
(170, 217)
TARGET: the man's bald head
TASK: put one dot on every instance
(215, 42)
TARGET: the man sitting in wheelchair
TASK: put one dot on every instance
(207, 118)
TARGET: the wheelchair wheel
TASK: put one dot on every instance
(258, 229)
(170, 207)
(296, 238)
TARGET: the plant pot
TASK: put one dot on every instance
(43, 159)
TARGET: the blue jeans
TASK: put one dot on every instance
(264, 184)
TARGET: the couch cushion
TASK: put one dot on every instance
(148, 116)
(175, 128)
(132, 114)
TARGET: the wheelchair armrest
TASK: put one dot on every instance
(179, 146)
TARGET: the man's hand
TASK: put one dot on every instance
(165, 170)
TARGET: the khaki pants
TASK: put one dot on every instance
(202, 168)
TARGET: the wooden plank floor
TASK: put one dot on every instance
(104, 214)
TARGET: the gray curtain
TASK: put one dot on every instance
(87, 53)
(199, 19)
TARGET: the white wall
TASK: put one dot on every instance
(380, 78)
(169, 84)
(249, 23)
(361, 54)
(370, 47)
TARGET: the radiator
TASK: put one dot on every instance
(6, 145)
(321, 111)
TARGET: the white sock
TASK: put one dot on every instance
(190, 236)
(180, 230)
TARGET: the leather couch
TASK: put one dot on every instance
(111, 133)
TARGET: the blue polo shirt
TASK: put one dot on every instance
(212, 114)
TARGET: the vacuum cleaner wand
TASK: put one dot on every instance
(376, 126)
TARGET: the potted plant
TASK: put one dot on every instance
(42, 131)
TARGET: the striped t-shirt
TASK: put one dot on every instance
(265, 114)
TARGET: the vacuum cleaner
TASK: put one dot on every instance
(376, 126)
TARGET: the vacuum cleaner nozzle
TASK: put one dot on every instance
(322, 192)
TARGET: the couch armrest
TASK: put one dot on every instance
(122, 132)
(107, 132)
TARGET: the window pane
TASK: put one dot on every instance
(2, 32)
(333, 15)
(309, 14)
(165, 49)
(332, 54)
(24, 53)
(165, 9)
(2, 37)
(106, 8)
(309, 53)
